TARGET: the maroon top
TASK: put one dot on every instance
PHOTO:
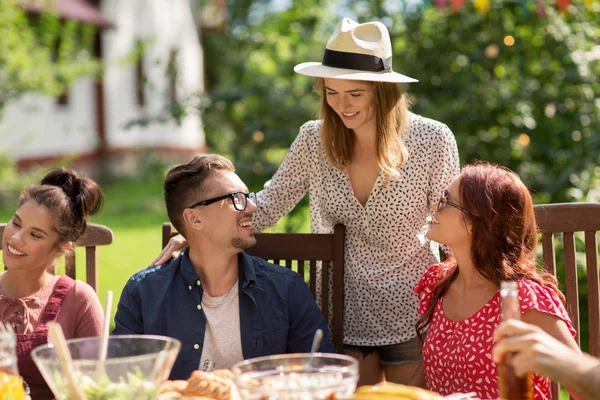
(29, 341)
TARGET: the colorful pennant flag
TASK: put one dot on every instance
(482, 6)
(457, 4)
(540, 8)
(562, 5)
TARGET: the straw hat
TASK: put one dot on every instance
(357, 52)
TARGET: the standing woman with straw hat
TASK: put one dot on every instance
(377, 168)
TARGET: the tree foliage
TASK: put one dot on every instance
(531, 105)
(41, 54)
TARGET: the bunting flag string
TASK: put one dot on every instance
(483, 6)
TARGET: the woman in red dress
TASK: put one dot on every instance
(49, 219)
(486, 217)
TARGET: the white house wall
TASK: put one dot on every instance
(168, 25)
(37, 127)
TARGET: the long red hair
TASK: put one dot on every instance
(504, 231)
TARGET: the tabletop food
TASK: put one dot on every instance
(215, 385)
(132, 386)
(393, 391)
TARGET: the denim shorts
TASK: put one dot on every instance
(408, 352)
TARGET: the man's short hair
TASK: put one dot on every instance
(186, 183)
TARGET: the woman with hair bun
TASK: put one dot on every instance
(51, 216)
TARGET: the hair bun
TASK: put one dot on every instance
(64, 178)
(85, 194)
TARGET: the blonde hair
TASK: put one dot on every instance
(391, 104)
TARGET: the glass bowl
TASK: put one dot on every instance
(297, 377)
(135, 366)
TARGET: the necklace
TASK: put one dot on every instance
(223, 298)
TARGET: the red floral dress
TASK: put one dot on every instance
(457, 355)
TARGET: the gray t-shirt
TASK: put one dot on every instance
(222, 339)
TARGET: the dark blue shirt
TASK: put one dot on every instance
(278, 314)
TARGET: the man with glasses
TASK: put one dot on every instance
(222, 304)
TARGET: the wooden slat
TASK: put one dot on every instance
(555, 390)
(288, 264)
(313, 277)
(568, 217)
(96, 235)
(339, 244)
(548, 253)
(571, 281)
(70, 263)
(591, 255)
(91, 270)
(301, 271)
(325, 289)
(294, 246)
(167, 233)
(278, 262)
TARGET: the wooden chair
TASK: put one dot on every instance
(95, 235)
(300, 248)
(566, 219)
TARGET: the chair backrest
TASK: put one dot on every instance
(95, 235)
(566, 219)
(307, 252)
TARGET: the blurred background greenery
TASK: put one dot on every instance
(517, 84)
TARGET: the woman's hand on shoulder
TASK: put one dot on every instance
(172, 250)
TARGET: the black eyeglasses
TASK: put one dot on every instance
(445, 201)
(239, 200)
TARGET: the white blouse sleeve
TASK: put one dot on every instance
(291, 181)
(444, 167)
(445, 164)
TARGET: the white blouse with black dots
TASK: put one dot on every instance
(384, 257)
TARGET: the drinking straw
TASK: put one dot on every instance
(57, 338)
(99, 372)
(315, 345)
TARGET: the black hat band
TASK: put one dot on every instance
(362, 62)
